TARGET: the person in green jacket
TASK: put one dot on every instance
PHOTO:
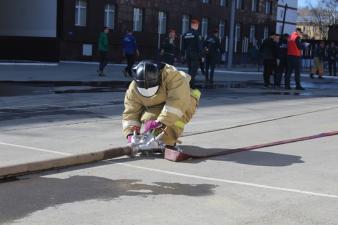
(103, 47)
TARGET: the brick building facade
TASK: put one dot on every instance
(80, 21)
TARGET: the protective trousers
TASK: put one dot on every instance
(193, 64)
(269, 69)
(210, 63)
(282, 70)
(293, 65)
(172, 133)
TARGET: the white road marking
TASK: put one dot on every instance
(35, 149)
(29, 106)
(233, 182)
(27, 64)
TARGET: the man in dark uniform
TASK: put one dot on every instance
(212, 51)
(282, 59)
(332, 54)
(192, 50)
(169, 48)
(269, 50)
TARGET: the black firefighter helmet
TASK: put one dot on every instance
(147, 77)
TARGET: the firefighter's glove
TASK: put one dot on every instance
(134, 130)
(129, 138)
(153, 126)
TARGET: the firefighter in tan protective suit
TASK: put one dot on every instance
(160, 98)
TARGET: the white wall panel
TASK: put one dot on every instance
(32, 18)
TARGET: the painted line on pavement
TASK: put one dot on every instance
(81, 109)
(317, 194)
(259, 122)
(27, 64)
(35, 149)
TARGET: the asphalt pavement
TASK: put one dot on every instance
(291, 183)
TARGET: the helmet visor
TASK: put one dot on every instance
(148, 92)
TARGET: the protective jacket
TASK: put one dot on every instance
(173, 104)
(294, 45)
(212, 46)
(192, 43)
(283, 50)
(269, 49)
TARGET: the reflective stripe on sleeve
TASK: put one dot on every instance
(173, 110)
(180, 124)
(130, 123)
(196, 94)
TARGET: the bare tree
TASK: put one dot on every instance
(323, 15)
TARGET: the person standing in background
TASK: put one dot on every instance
(103, 47)
(282, 59)
(294, 59)
(192, 50)
(318, 61)
(332, 54)
(130, 51)
(269, 53)
(169, 48)
(212, 51)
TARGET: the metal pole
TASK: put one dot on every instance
(231, 33)
(285, 9)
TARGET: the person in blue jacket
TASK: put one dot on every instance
(130, 51)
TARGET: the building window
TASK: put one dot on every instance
(268, 7)
(109, 16)
(204, 28)
(222, 2)
(81, 13)
(205, 1)
(281, 15)
(281, 29)
(239, 4)
(162, 22)
(266, 32)
(238, 32)
(254, 5)
(252, 36)
(137, 19)
(185, 24)
(221, 29)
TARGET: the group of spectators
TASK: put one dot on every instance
(196, 52)
(130, 51)
(323, 53)
(282, 54)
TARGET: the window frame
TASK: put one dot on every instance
(107, 11)
(221, 31)
(204, 26)
(162, 22)
(138, 17)
(78, 13)
(185, 23)
(252, 33)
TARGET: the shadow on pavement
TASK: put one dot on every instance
(40, 193)
(256, 158)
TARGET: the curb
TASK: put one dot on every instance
(70, 83)
(73, 160)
